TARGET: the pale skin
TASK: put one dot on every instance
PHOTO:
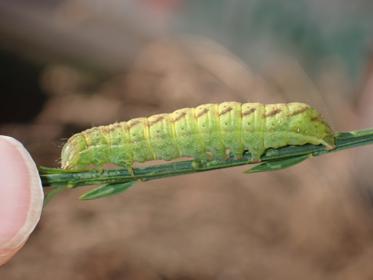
(21, 197)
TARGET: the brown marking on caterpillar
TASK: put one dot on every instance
(273, 112)
(203, 112)
(133, 123)
(106, 129)
(113, 127)
(299, 111)
(158, 119)
(124, 126)
(86, 138)
(226, 110)
(316, 119)
(249, 112)
(183, 114)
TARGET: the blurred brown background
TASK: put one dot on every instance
(68, 65)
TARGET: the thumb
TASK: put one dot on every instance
(21, 197)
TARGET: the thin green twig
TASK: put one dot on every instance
(59, 178)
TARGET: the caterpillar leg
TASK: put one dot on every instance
(126, 164)
(100, 168)
(236, 154)
(255, 155)
(255, 147)
(202, 160)
(210, 156)
(131, 171)
(199, 163)
(202, 163)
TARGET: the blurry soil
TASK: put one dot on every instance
(313, 221)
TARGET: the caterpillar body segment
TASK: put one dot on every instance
(207, 132)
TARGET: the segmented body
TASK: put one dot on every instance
(207, 132)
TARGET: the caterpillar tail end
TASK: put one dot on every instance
(329, 142)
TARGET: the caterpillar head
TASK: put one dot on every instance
(71, 152)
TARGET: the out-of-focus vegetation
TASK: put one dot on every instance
(68, 65)
(310, 31)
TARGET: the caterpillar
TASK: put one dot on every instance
(207, 132)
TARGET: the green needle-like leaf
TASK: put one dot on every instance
(106, 190)
(277, 164)
(117, 180)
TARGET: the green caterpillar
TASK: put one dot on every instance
(207, 132)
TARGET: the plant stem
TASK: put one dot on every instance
(59, 177)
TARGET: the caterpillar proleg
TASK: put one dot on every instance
(207, 132)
